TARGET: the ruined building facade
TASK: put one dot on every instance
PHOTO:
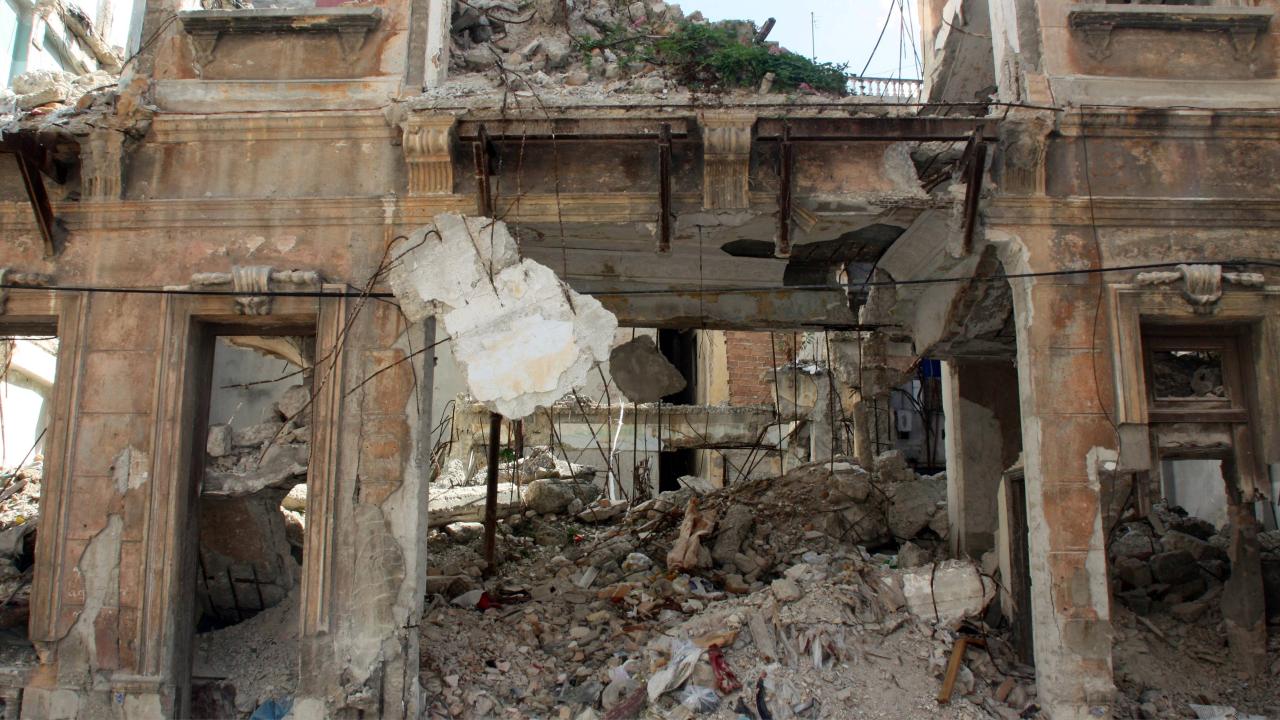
(1115, 201)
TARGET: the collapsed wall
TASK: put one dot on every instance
(523, 337)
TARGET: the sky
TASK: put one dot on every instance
(846, 30)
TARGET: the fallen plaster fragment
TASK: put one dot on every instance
(947, 593)
(523, 338)
(642, 373)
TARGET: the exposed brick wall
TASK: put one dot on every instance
(750, 360)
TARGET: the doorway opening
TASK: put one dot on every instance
(251, 522)
(28, 368)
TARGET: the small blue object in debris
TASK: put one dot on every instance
(273, 709)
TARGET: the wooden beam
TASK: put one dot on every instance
(664, 188)
(52, 231)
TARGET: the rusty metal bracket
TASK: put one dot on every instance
(52, 229)
(974, 164)
(782, 244)
(483, 154)
(664, 188)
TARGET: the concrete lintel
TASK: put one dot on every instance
(741, 310)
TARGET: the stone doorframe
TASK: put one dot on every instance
(1244, 437)
(64, 314)
(165, 631)
(1130, 306)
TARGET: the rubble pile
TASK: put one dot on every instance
(613, 46)
(1165, 668)
(1171, 562)
(758, 600)
(1167, 572)
(53, 89)
(19, 518)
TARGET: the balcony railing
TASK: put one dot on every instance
(903, 89)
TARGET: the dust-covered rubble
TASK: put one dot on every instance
(755, 599)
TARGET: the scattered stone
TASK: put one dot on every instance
(219, 443)
(786, 590)
(550, 496)
(1174, 567)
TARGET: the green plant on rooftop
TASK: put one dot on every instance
(718, 55)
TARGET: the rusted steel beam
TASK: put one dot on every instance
(974, 162)
(52, 231)
(857, 129)
(664, 189)
(738, 310)
(491, 495)
(481, 158)
(535, 129)
(768, 129)
(782, 244)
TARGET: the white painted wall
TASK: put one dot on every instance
(1197, 486)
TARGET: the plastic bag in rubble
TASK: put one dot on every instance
(684, 658)
(273, 709)
(699, 699)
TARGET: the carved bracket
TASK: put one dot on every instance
(1201, 284)
(1095, 23)
(726, 160)
(251, 284)
(1024, 141)
(427, 143)
(102, 164)
(9, 279)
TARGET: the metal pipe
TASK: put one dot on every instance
(491, 495)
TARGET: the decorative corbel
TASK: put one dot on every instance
(1024, 143)
(427, 144)
(1243, 41)
(102, 164)
(1201, 284)
(9, 279)
(202, 46)
(726, 160)
(1097, 40)
(252, 283)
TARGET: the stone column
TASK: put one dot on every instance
(1244, 612)
(360, 643)
(1066, 440)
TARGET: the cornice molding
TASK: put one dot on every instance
(1134, 212)
(255, 127)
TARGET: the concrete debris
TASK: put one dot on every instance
(256, 659)
(596, 625)
(19, 522)
(35, 88)
(1167, 571)
(1171, 562)
(523, 338)
(540, 464)
(548, 496)
(252, 527)
(945, 593)
(642, 373)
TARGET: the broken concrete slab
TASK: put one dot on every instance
(548, 495)
(282, 466)
(524, 339)
(642, 373)
(944, 593)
